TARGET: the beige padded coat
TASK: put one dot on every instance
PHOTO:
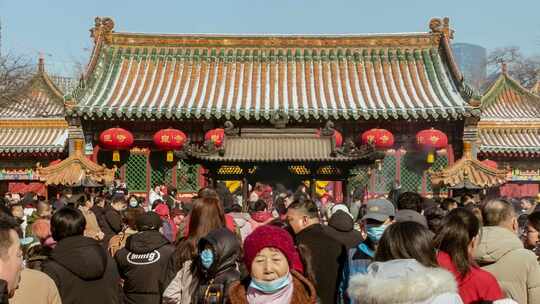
(501, 253)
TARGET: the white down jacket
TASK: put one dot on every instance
(403, 281)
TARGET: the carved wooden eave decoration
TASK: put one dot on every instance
(76, 170)
(468, 172)
(279, 145)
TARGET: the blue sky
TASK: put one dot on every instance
(59, 29)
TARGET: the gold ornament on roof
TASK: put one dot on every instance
(438, 25)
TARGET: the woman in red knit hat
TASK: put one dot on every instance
(275, 271)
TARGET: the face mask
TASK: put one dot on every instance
(207, 258)
(271, 286)
(374, 233)
(133, 203)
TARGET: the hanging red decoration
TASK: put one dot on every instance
(116, 139)
(169, 140)
(490, 163)
(216, 136)
(337, 137)
(381, 139)
(55, 162)
(431, 140)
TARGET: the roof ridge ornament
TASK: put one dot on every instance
(41, 63)
(229, 129)
(441, 25)
(504, 68)
(103, 28)
(279, 119)
(328, 129)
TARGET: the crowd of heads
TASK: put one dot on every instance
(220, 239)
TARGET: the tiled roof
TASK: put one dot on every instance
(507, 100)
(41, 98)
(254, 77)
(468, 172)
(510, 140)
(536, 88)
(19, 139)
(76, 170)
(510, 119)
(277, 145)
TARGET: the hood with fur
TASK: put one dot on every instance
(495, 242)
(402, 281)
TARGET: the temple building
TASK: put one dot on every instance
(32, 130)
(509, 134)
(273, 93)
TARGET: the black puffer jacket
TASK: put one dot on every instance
(83, 272)
(111, 224)
(341, 228)
(144, 264)
(328, 257)
(224, 270)
(100, 215)
(4, 294)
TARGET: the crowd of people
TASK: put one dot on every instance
(276, 247)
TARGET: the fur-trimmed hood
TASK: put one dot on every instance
(403, 281)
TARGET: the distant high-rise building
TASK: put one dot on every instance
(472, 61)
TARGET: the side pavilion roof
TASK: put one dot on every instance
(34, 121)
(510, 119)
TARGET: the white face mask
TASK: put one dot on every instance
(133, 203)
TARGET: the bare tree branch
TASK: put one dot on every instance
(15, 73)
(524, 69)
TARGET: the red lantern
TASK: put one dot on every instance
(169, 140)
(337, 137)
(490, 163)
(380, 138)
(216, 136)
(116, 139)
(431, 140)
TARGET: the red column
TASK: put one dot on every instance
(424, 183)
(202, 179)
(174, 176)
(123, 173)
(450, 154)
(338, 191)
(398, 166)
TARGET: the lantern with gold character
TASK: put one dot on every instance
(169, 140)
(215, 136)
(116, 139)
(431, 140)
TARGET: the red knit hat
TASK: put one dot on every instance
(275, 237)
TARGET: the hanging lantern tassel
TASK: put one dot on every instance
(116, 156)
(431, 157)
(431, 140)
(170, 156)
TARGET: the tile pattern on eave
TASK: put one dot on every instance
(30, 140)
(511, 105)
(333, 83)
(35, 104)
(509, 140)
